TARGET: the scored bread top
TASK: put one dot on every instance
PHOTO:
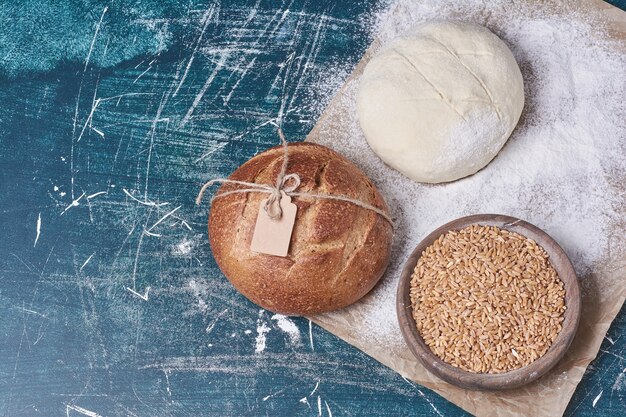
(338, 250)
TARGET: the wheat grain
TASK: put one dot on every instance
(487, 300)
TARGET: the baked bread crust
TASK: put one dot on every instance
(338, 251)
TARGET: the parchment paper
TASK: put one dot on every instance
(604, 293)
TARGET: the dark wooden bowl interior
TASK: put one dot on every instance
(484, 381)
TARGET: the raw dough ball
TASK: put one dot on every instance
(439, 104)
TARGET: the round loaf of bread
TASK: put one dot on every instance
(338, 250)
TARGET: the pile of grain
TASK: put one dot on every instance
(486, 299)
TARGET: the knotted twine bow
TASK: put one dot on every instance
(286, 183)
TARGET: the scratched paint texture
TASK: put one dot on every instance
(113, 114)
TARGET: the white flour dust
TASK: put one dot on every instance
(561, 169)
(183, 248)
(187, 246)
(262, 329)
(620, 381)
(289, 327)
(284, 323)
(199, 291)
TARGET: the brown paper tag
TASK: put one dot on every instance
(272, 237)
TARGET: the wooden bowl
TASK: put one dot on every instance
(506, 380)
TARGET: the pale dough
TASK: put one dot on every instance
(439, 104)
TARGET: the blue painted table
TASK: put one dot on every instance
(112, 115)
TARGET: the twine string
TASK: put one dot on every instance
(286, 183)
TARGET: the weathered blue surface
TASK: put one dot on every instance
(112, 116)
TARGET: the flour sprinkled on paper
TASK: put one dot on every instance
(559, 170)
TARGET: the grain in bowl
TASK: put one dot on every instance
(486, 300)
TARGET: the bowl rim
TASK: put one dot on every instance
(483, 381)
